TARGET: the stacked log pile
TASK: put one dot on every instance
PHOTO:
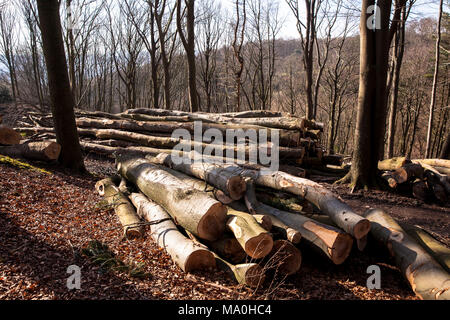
(208, 215)
(425, 179)
(12, 145)
(149, 131)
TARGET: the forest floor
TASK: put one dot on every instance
(46, 219)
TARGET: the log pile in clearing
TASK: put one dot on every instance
(425, 179)
(144, 131)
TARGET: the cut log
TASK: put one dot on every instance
(434, 247)
(311, 124)
(420, 190)
(285, 258)
(195, 211)
(224, 178)
(188, 255)
(390, 179)
(427, 278)
(328, 240)
(434, 162)
(39, 151)
(264, 221)
(248, 274)
(122, 207)
(255, 114)
(333, 159)
(229, 249)
(392, 164)
(287, 232)
(254, 239)
(443, 179)
(9, 137)
(408, 172)
(323, 199)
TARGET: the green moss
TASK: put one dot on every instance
(101, 255)
(21, 165)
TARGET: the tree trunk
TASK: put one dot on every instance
(435, 82)
(189, 256)
(122, 207)
(58, 80)
(39, 151)
(426, 277)
(445, 152)
(193, 210)
(9, 136)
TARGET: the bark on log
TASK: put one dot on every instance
(333, 159)
(9, 137)
(223, 178)
(254, 239)
(443, 179)
(189, 256)
(248, 274)
(284, 258)
(434, 162)
(264, 221)
(122, 207)
(287, 232)
(408, 172)
(193, 210)
(323, 199)
(434, 247)
(40, 151)
(328, 240)
(420, 190)
(392, 164)
(427, 278)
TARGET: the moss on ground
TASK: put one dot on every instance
(21, 165)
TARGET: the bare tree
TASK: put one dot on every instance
(61, 95)
(188, 41)
(435, 80)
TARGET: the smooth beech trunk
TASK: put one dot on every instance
(122, 207)
(40, 151)
(426, 276)
(187, 254)
(194, 210)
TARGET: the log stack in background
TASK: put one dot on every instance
(425, 179)
(144, 131)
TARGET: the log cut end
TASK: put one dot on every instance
(285, 257)
(236, 187)
(361, 228)
(260, 246)
(212, 225)
(52, 151)
(9, 136)
(254, 275)
(341, 248)
(293, 235)
(200, 259)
